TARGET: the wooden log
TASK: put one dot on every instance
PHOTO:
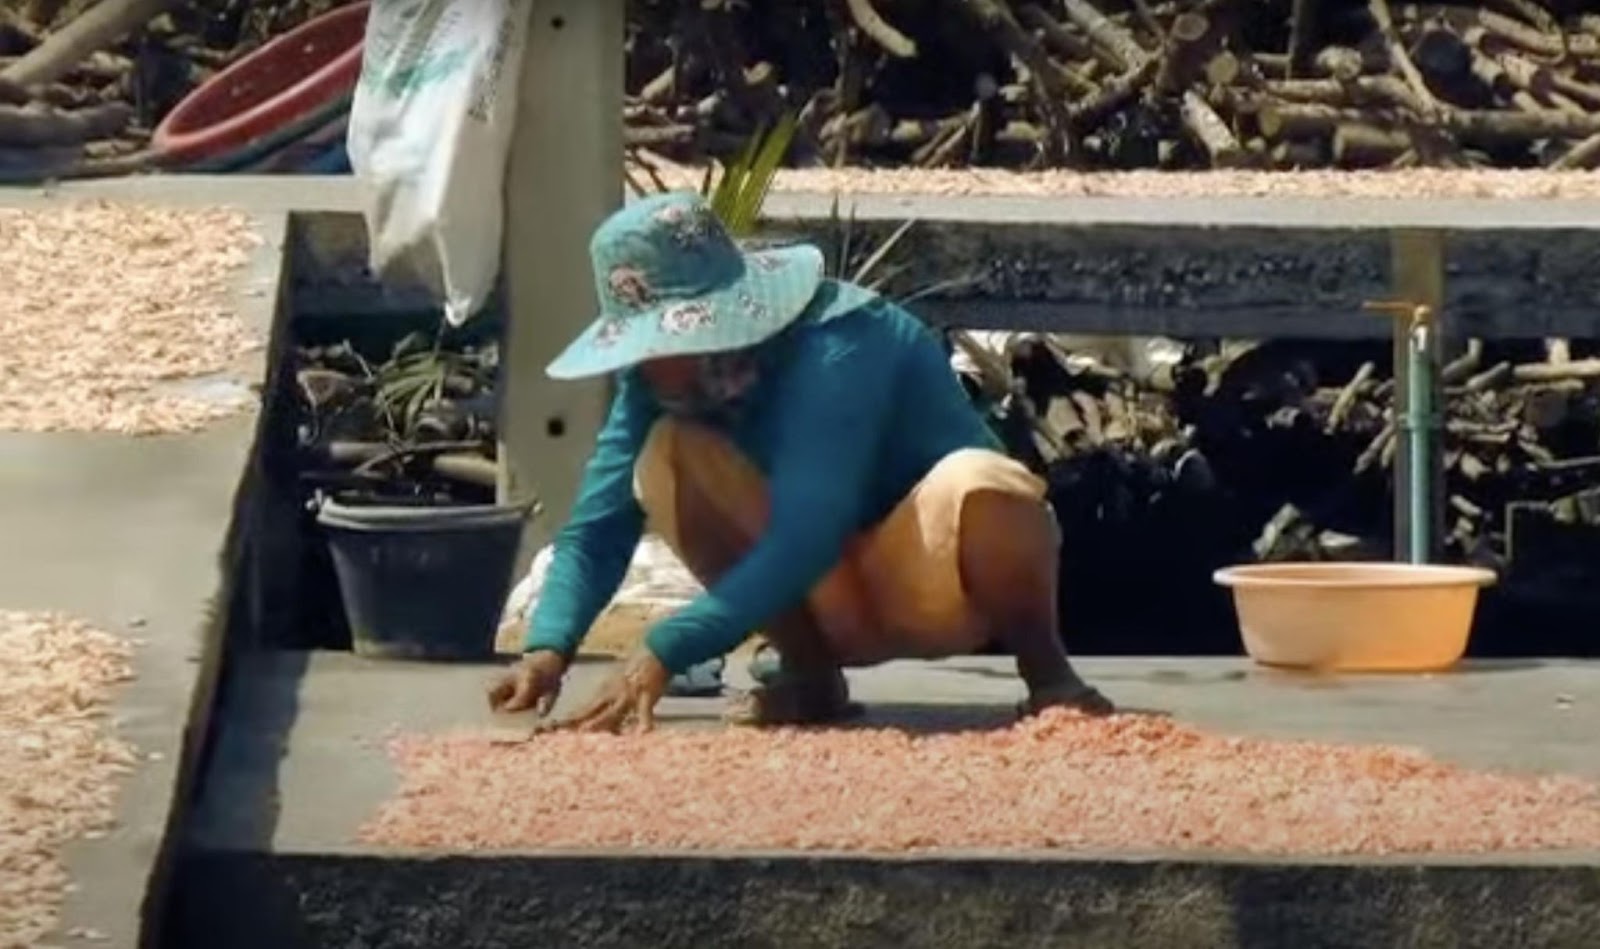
(1364, 90)
(1548, 372)
(1339, 62)
(467, 468)
(1536, 16)
(1294, 119)
(1356, 145)
(1347, 397)
(1463, 366)
(1583, 156)
(1496, 375)
(995, 18)
(1398, 57)
(876, 28)
(1225, 69)
(1505, 32)
(42, 126)
(1186, 51)
(1211, 132)
(1121, 50)
(1297, 154)
(1304, 34)
(1113, 95)
(93, 30)
(1054, 34)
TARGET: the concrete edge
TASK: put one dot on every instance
(1331, 213)
(289, 901)
(1507, 860)
(264, 314)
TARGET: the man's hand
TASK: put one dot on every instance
(628, 697)
(534, 682)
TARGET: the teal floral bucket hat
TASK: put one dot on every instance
(671, 282)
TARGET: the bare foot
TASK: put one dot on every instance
(1077, 695)
(794, 700)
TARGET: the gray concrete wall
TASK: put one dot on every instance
(288, 902)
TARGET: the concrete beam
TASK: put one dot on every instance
(1249, 267)
(562, 179)
(302, 901)
(1242, 267)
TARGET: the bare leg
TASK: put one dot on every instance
(811, 688)
(1009, 555)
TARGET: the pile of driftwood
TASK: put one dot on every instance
(1296, 447)
(1124, 83)
(82, 84)
(417, 427)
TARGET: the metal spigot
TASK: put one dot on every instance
(1418, 422)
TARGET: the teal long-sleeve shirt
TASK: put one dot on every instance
(851, 411)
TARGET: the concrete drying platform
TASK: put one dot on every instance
(300, 765)
(1231, 266)
(131, 534)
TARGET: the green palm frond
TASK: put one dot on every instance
(741, 192)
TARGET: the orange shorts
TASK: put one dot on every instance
(897, 592)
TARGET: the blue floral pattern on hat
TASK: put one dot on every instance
(689, 224)
(609, 332)
(670, 279)
(630, 286)
(750, 306)
(687, 317)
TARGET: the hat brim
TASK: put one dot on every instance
(774, 288)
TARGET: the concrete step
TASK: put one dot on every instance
(270, 858)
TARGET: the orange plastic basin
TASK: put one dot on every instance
(1355, 617)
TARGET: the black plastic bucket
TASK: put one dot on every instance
(423, 582)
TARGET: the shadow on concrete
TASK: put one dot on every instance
(238, 805)
(938, 719)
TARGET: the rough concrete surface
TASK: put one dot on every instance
(129, 534)
(300, 764)
(347, 901)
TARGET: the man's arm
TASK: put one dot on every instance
(834, 405)
(596, 546)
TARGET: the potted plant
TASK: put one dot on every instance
(398, 463)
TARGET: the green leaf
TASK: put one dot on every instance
(725, 196)
(741, 192)
(763, 171)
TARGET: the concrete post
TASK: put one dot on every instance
(564, 176)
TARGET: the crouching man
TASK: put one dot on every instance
(805, 448)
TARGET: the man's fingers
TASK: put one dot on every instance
(546, 702)
(505, 694)
(521, 695)
(644, 715)
(608, 718)
(588, 711)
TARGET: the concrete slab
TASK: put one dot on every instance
(299, 765)
(131, 534)
(1236, 266)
